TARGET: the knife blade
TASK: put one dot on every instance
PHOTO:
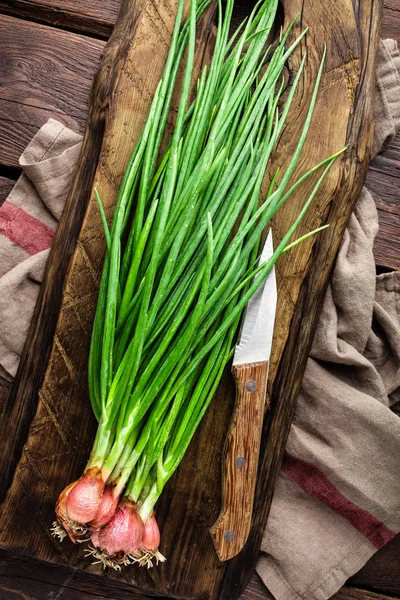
(242, 446)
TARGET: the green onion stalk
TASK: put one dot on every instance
(181, 263)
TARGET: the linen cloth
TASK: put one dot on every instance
(28, 219)
(337, 500)
(338, 495)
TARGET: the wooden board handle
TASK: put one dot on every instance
(239, 467)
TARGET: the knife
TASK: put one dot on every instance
(240, 461)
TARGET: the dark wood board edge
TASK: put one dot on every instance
(292, 365)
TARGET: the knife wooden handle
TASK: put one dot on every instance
(240, 462)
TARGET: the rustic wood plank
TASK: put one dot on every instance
(45, 72)
(257, 591)
(31, 579)
(356, 594)
(383, 181)
(22, 577)
(87, 16)
(384, 174)
(391, 19)
(20, 121)
(388, 161)
(385, 190)
(387, 242)
(63, 410)
(382, 572)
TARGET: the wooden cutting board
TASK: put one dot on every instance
(48, 428)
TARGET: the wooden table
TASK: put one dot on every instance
(50, 50)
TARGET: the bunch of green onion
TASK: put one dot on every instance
(180, 266)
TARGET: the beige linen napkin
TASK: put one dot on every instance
(28, 219)
(337, 498)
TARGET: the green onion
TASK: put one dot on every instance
(180, 267)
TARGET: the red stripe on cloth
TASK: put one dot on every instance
(24, 230)
(314, 483)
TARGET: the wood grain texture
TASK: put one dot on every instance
(383, 181)
(30, 579)
(256, 591)
(384, 174)
(87, 16)
(6, 185)
(382, 571)
(357, 594)
(387, 245)
(240, 460)
(387, 163)
(61, 431)
(44, 72)
(5, 386)
(391, 19)
(23, 578)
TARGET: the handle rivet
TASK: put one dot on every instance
(251, 385)
(240, 461)
(229, 536)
